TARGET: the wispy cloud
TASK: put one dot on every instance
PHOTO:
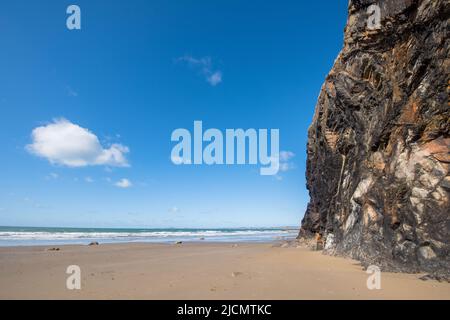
(286, 155)
(205, 66)
(124, 184)
(52, 176)
(65, 143)
(174, 210)
(215, 78)
(89, 180)
(285, 163)
(71, 92)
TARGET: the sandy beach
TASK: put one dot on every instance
(198, 271)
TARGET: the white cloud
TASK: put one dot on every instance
(215, 78)
(123, 183)
(285, 163)
(204, 65)
(65, 143)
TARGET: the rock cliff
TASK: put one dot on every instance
(378, 147)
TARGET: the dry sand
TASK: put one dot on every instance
(198, 271)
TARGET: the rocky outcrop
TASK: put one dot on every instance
(378, 147)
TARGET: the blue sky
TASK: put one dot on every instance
(136, 71)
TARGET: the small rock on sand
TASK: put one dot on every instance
(236, 274)
(95, 243)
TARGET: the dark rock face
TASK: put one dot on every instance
(379, 145)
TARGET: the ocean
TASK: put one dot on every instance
(27, 236)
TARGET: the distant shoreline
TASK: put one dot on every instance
(35, 236)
